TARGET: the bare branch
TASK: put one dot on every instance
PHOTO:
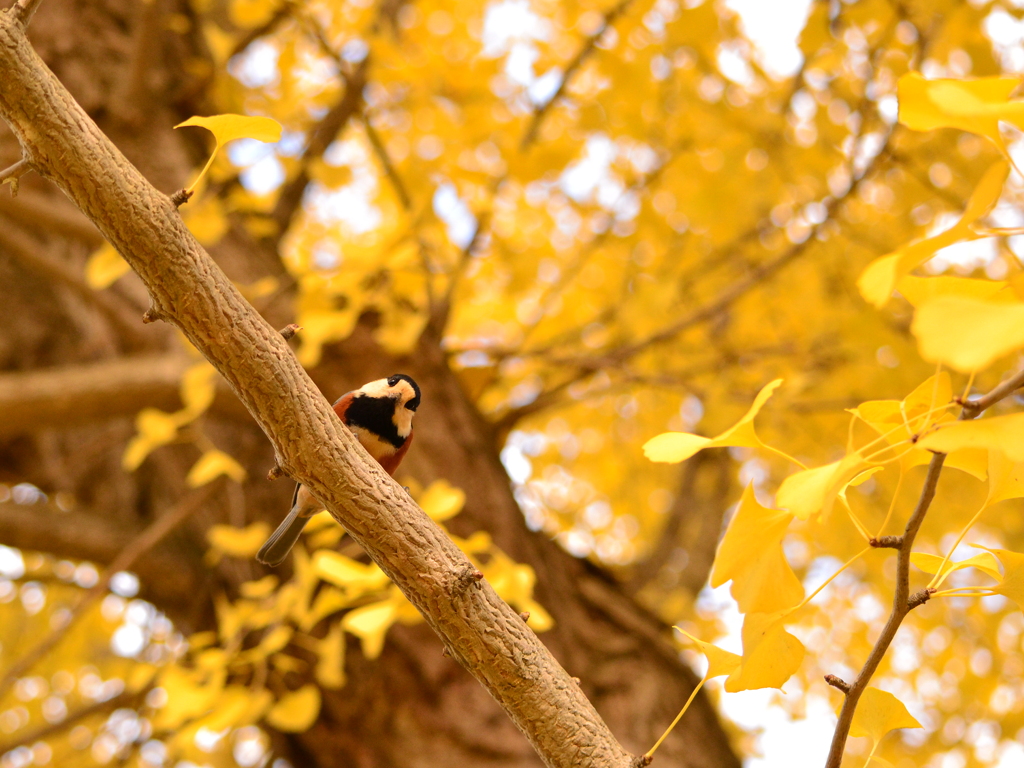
(13, 173)
(53, 214)
(570, 70)
(28, 253)
(24, 11)
(484, 633)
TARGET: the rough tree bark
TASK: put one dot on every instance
(410, 707)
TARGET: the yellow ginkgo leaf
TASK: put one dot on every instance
(352, 576)
(751, 556)
(1011, 583)
(295, 712)
(104, 267)
(878, 713)
(330, 666)
(370, 623)
(814, 491)
(207, 220)
(877, 282)
(212, 465)
(188, 696)
(1005, 478)
(198, 387)
(441, 500)
(918, 290)
(155, 428)
(968, 334)
(771, 655)
(238, 542)
(673, 447)
(1000, 433)
(985, 562)
(260, 587)
(974, 105)
(720, 662)
(227, 128)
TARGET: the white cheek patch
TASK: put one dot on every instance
(378, 388)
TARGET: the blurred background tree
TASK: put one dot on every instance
(575, 225)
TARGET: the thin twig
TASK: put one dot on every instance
(570, 70)
(903, 602)
(144, 542)
(13, 174)
(25, 10)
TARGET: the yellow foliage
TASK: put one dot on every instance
(878, 713)
(296, 711)
(238, 542)
(105, 267)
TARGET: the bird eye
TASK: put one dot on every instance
(393, 380)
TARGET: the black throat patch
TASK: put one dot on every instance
(375, 414)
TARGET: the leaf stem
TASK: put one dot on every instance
(939, 576)
(650, 752)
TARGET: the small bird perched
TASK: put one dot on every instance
(380, 416)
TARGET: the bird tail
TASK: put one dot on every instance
(281, 541)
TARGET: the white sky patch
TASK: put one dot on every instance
(351, 204)
(256, 67)
(509, 22)
(774, 29)
(582, 177)
(458, 219)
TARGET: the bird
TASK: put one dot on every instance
(379, 414)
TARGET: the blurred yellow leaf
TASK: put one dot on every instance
(968, 334)
(974, 105)
(673, 447)
(882, 275)
(260, 588)
(104, 267)
(354, 577)
(441, 500)
(750, 554)
(370, 623)
(238, 542)
(878, 713)
(212, 465)
(999, 433)
(296, 711)
(155, 428)
(330, 666)
(198, 388)
(918, 290)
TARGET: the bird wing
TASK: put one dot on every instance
(342, 403)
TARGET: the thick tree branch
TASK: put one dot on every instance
(51, 214)
(81, 394)
(166, 575)
(484, 633)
